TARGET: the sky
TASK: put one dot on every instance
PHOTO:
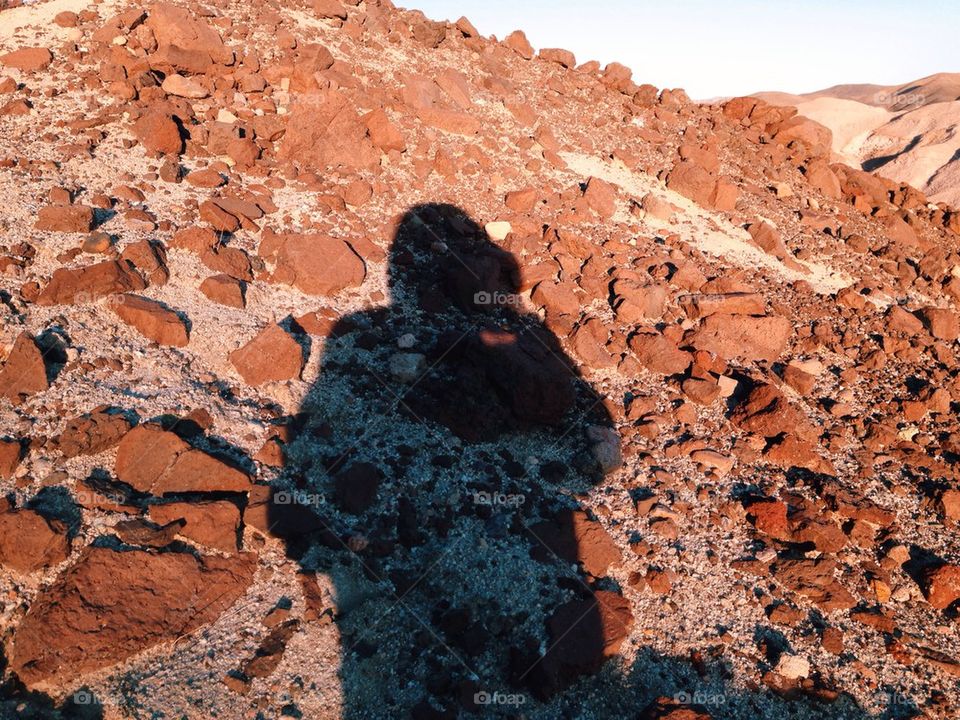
(733, 47)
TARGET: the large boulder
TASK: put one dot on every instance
(111, 605)
(314, 264)
(325, 131)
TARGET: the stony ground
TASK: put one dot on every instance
(355, 365)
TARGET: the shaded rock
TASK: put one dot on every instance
(356, 487)
(583, 634)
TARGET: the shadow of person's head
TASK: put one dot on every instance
(494, 368)
(441, 260)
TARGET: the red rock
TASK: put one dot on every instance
(27, 59)
(221, 220)
(329, 9)
(941, 323)
(742, 336)
(617, 77)
(770, 518)
(93, 432)
(149, 259)
(184, 41)
(383, 133)
(214, 524)
(357, 193)
(159, 133)
(738, 303)
(601, 197)
(65, 218)
(225, 290)
(10, 453)
(518, 42)
(272, 356)
(819, 175)
(658, 354)
(66, 19)
(314, 264)
(325, 131)
(90, 283)
(558, 55)
(205, 178)
(692, 181)
(941, 585)
(154, 460)
(521, 201)
(814, 579)
(24, 372)
(815, 136)
(152, 319)
(634, 301)
(231, 261)
(451, 121)
(765, 411)
(29, 542)
(111, 605)
(197, 239)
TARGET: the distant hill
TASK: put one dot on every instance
(906, 132)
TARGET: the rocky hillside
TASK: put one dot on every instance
(355, 365)
(906, 132)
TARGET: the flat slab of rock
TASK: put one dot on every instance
(158, 461)
(111, 605)
(93, 432)
(24, 373)
(742, 337)
(152, 319)
(272, 356)
(29, 541)
(91, 283)
(314, 264)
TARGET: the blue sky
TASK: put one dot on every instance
(733, 47)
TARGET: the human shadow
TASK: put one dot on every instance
(448, 435)
(436, 473)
